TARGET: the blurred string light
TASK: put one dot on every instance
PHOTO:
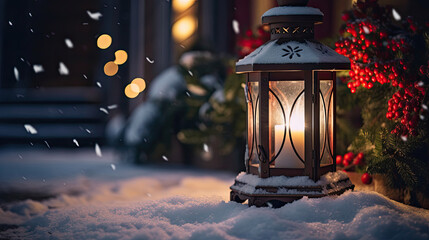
(182, 5)
(104, 41)
(133, 89)
(138, 85)
(110, 69)
(120, 57)
(140, 82)
(184, 28)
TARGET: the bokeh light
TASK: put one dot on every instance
(104, 41)
(132, 90)
(110, 68)
(120, 57)
(184, 28)
(182, 5)
(140, 82)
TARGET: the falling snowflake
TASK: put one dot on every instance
(190, 73)
(98, 150)
(69, 43)
(114, 106)
(404, 138)
(94, 15)
(165, 158)
(235, 26)
(25, 179)
(87, 130)
(76, 142)
(38, 68)
(396, 15)
(104, 110)
(99, 84)
(292, 51)
(63, 70)
(29, 14)
(10, 23)
(47, 144)
(16, 73)
(150, 61)
(113, 166)
(424, 106)
(206, 148)
(366, 29)
(30, 129)
(85, 76)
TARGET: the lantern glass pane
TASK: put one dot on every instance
(326, 121)
(286, 102)
(253, 121)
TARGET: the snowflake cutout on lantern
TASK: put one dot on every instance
(323, 50)
(290, 52)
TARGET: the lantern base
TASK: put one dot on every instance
(264, 192)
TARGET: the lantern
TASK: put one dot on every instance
(290, 94)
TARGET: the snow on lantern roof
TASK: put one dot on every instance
(288, 10)
(281, 54)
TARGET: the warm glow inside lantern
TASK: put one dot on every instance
(290, 94)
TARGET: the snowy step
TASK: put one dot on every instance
(52, 95)
(53, 131)
(38, 112)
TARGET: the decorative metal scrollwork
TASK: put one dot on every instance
(292, 30)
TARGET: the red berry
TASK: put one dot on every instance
(348, 156)
(423, 69)
(360, 155)
(345, 17)
(346, 162)
(366, 178)
(249, 33)
(339, 159)
(357, 161)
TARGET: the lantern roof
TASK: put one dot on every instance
(281, 54)
(290, 10)
(292, 45)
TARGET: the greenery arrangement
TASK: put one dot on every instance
(388, 81)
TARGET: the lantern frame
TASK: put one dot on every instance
(312, 168)
(292, 54)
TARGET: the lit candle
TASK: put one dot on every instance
(287, 157)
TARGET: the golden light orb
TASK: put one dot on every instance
(132, 90)
(184, 28)
(182, 5)
(140, 82)
(104, 41)
(110, 68)
(120, 57)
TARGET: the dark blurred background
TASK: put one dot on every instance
(77, 103)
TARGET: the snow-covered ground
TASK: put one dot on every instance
(78, 195)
